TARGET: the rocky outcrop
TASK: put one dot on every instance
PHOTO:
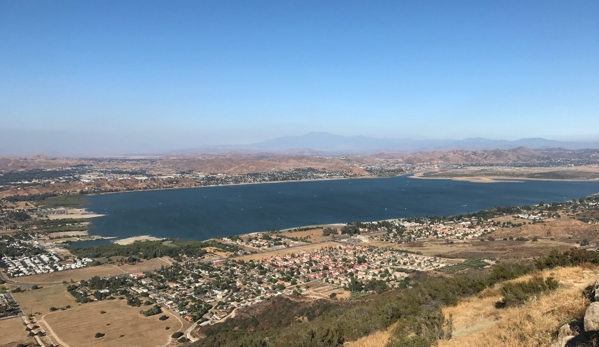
(591, 317)
(565, 334)
(593, 292)
(585, 332)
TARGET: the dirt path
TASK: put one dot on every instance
(51, 332)
(170, 339)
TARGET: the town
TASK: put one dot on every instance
(23, 255)
(207, 292)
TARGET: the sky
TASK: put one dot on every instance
(118, 76)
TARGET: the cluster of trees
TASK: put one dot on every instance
(79, 295)
(152, 311)
(573, 257)
(23, 250)
(16, 216)
(32, 197)
(329, 231)
(68, 224)
(350, 229)
(153, 249)
(112, 283)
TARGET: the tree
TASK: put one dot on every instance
(328, 231)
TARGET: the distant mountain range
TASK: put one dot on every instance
(315, 143)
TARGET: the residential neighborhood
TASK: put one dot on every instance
(207, 292)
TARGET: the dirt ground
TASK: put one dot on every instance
(122, 325)
(89, 272)
(12, 333)
(40, 300)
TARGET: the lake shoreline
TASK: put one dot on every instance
(228, 212)
(497, 179)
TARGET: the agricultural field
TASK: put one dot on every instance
(12, 333)
(122, 325)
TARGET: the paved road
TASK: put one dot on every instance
(6, 279)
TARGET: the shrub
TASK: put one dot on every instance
(515, 294)
(98, 335)
(177, 335)
(163, 317)
(153, 311)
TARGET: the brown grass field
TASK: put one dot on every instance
(122, 325)
(12, 333)
(89, 272)
(40, 300)
(378, 339)
(314, 235)
(560, 229)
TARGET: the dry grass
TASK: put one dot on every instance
(478, 324)
(89, 272)
(504, 250)
(12, 333)
(218, 253)
(315, 235)
(378, 339)
(122, 325)
(562, 228)
(41, 300)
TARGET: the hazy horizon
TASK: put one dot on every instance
(323, 142)
(143, 77)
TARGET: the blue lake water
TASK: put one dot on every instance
(203, 213)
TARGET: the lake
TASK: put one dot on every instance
(203, 213)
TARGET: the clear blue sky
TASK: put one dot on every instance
(135, 76)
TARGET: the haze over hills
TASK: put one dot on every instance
(327, 143)
(310, 144)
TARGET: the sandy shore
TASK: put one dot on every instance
(130, 240)
(497, 179)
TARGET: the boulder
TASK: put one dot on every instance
(594, 295)
(565, 334)
(591, 317)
